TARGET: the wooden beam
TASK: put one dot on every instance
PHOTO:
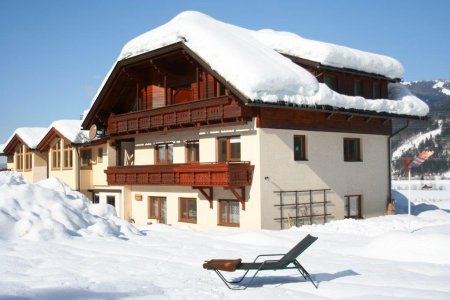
(209, 196)
(239, 197)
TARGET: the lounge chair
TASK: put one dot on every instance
(287, 261)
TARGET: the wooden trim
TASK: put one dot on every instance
(300, 141)
(209, 196)
(196, 151)
(228, 148)
(239, 197)
(180, 211)
(359, 203)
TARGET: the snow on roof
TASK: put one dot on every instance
(31, 136)
(250, 61)
(330, 54)
(71, 130)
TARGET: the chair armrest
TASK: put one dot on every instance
(261, 255)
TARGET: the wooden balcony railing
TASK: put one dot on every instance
(230, 175)
(196, 113)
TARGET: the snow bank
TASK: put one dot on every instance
(50, 209)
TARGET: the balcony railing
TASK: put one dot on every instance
(230, 175)
(195, 113)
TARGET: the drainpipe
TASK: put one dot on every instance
(390, 156)
(77, 169)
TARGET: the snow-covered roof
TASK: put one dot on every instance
(31, 136)
(71, 130)
(251, 62)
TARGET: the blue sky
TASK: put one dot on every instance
(55, 54)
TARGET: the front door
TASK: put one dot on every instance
(158, 209)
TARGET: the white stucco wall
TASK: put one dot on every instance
(324, 168)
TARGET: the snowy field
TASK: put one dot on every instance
(53, 245)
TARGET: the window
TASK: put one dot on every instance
(192, 151)
(86, 155)
(357, 87)
(352, 149)
(28, 159)
(376, 90)
(111, 200)
(330, 81)
(187, 210)
(19, 158)
(56, 155)
(164, 153)
(229, 148)
(353, 206)
(157, 209)
(68, 159)
(299, 147)
(96, 199)
(100, 155)
(228, 212)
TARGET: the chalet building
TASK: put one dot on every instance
(22, 155)
(215, 125)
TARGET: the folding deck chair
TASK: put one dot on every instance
(287, 261)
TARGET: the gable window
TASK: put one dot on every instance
(192, 151)
(353, 206)
(330, 81)
(376, 90)
(299, 147)
(86, 158)
(229, 213)
(229, 148)
(19, 158)
(352, 149)
(68, 159)
(187, 210)
(56, 155)
(357, 87)
(28, 159)
(164, 153)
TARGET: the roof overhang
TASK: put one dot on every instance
(332, 109)
(44, 144)
(13, 143)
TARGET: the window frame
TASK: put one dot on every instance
(166, 154)
(28, 159)
(196, 151)
(67, 161)
(347, 155)
(55, 151)
(300, 140)
(19, 158)
(188, 219)
(151, 212)
(355, 82)
(347, 214)
(228, 148)
(99, 154)
(228, 213)
(88, 165)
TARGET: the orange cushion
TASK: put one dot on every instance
(228, 265)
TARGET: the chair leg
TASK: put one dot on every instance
(304, 273)
(229, 283)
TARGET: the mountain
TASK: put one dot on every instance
(432, 134)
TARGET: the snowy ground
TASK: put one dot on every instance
(375, 258)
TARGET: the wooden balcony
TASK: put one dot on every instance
(216, 110)
(227, 175)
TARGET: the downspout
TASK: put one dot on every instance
(390, 157)
(77, 169)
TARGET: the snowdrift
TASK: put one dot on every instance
(50, 209)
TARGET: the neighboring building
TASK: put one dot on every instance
(212, 124)
(22, 155)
